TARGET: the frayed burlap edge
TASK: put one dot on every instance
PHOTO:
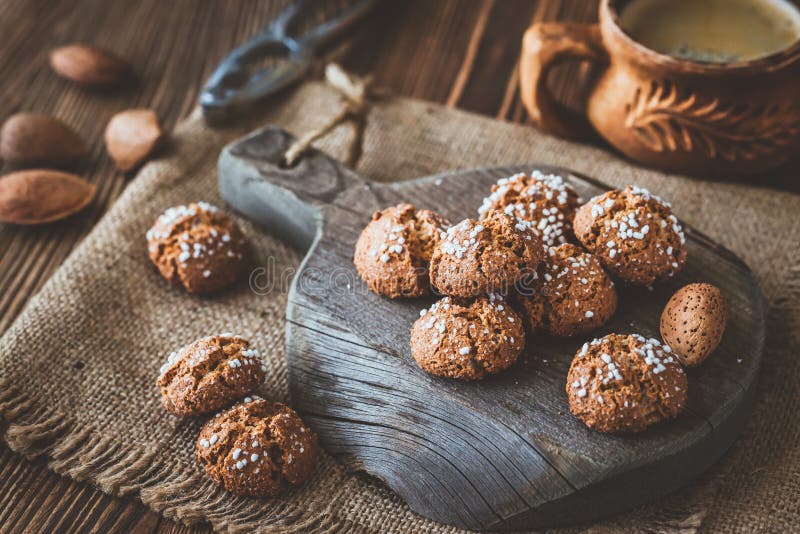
(85, 454)
(120, 469)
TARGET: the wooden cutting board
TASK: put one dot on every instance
(503, 453)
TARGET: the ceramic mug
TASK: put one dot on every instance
(721, 119)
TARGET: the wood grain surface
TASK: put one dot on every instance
(459, 52)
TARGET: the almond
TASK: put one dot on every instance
(39, 196)
(693, 322)
(131, 136)
(89, 65)
(32, 139)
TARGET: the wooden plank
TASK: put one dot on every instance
(174, 46)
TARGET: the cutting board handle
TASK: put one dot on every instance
(252, 173)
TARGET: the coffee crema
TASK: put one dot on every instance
(714, 31)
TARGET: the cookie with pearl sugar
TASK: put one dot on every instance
(625, 383)
(571, 294)
(634, 234)
(468, 340)
(257, 448)
(209, 374)
(394, 249)
(198, 247)
(488, 256)
(544, 201)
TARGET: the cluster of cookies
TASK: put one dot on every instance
(250, 447)
(537, 261)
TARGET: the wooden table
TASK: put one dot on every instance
(459, 52)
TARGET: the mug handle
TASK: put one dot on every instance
(544, 46)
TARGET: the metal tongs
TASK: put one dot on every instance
(233, 86)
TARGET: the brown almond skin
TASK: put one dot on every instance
(131, 136)
(40, 196)
(28, 139)
(89, 65)
(693, 322)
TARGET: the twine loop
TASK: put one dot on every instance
(356, 92)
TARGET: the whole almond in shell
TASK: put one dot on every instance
(131, 136)
(89, 65)
(32, 139)
(693, 322)
(40, 196)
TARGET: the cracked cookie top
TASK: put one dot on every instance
(634, 233)
(257, 448)
(545, 201)
(197, 247)
(571, 294)
(625, 383)
(209, 374)
(393, 251)
(477, 258)
(467, 340)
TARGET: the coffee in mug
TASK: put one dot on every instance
(706, 87)
(716, 31)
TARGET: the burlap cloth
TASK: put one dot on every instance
(78, 367)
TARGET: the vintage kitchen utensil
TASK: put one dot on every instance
(722, 119)
(499, 454)
(239, 81)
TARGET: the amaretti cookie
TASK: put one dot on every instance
(257, 448)
(572, 294)
(209, 374)
(693, 322)
(546, 201)
(467, 340)
(634, 233)
(198, 247)
(625, 383)
(477, 258)
(393, 251)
